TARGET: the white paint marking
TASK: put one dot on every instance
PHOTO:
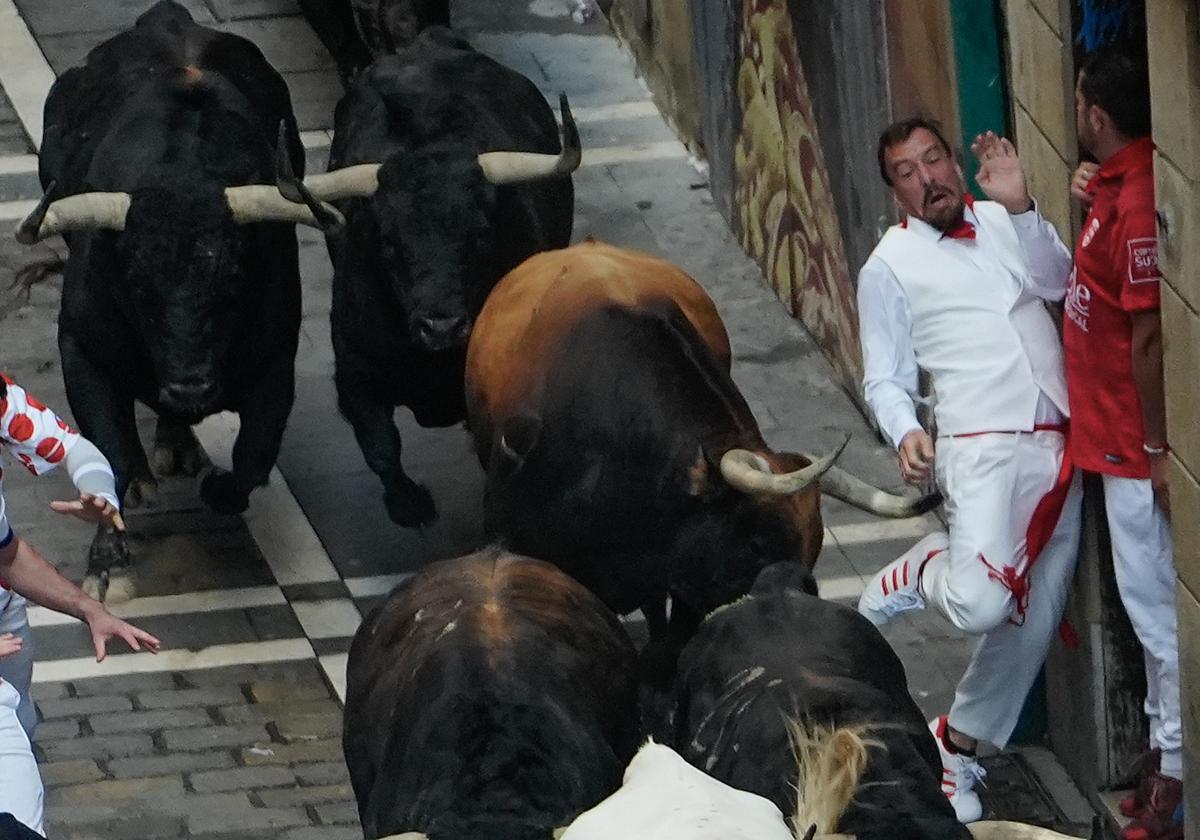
(25, 74)
(616, 111)
(369, 587)
(869, 532)
(217, 656)
(334, 666)
(279, 527)
(841, 588)
(327, 619)
(318, 139)
(634, 153)
(14, 211)
(18, 164)
(211, 600)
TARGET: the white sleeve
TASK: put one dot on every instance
(1048, 258)
(90, 471)
(890, 380)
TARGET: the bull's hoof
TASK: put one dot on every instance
(222, 492)
(410, 505)
(186, 459)
(142, 492)
(110, 570)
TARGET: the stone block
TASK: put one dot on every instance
(48, 691)
(266, 712)
(218, 696)
(325, 773)
(242, 822)
(339, 813)
(1178, 202)
(55, 729)
(1040, 66)
(301, 796)
(100, 793)
(76, 771)
(139, 827)
(324, 832)
(280, 672)
(150, 721)
(125, 684)
(100, 748)
(161, 765)
(80, 706)
(1185, 496)
(277, 692)
(1052, 13)
(300, 752)
(1181, 349)
(1171, 27)
(211, 737)
(242, 778)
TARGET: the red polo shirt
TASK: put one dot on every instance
(1116, 272)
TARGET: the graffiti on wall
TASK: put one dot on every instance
(783, 206)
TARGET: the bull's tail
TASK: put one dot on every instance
(830, 763)
(842, 485)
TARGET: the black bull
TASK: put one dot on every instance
(449, 170)
(182, 287)
(491, 697)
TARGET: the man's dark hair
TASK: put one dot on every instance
(1117, 82)
(900, 131)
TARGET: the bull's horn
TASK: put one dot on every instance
(749, 472)
(263, 203)
(842, 485)
(294, 190)
(408, 835)
(85, 211)
(517, 167)
(359, 181)
(1004, 830)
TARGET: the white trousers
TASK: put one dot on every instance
(1145, 571)
(17, 669)
(992, 485)
(20, 783)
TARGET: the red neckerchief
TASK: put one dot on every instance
(963, 229)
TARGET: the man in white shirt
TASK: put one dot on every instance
(958, 289)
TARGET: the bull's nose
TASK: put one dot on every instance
(438, 332)
(188, 394)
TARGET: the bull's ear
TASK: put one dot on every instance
(518, 436)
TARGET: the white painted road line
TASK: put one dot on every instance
(217, 656)
(24, 73)
(14, 211)
(888, 529)
(841, 588)
(331, 619)
(211, 600)
(334, 666)
(279, 527)
(18, 164)
(634, 153)
(369, 587)
(616, 111)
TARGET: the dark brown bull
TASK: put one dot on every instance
(617, 446)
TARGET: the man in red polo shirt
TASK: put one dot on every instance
(1112, 337)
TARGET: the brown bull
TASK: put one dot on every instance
(617, 446)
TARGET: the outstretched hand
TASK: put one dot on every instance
(104, 626)
(1001, 175)
(93, 509)
(9, 644)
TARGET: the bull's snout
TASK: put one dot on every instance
(440, 333)
(190, 396)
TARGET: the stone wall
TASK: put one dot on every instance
(1173, 31)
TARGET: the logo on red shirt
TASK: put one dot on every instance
(1090, 233)
(1078, 303)
(1143, 260)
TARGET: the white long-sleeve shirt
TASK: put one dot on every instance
(890, 365)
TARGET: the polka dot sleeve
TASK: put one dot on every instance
(36, 436)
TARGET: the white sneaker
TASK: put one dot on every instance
(959, 775)
(895, 588)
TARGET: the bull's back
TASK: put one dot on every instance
(491, 654)
(536, 306)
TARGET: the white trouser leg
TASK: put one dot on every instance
(1145, 572)
(993, 484)
(17, 669)
(20, 783)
